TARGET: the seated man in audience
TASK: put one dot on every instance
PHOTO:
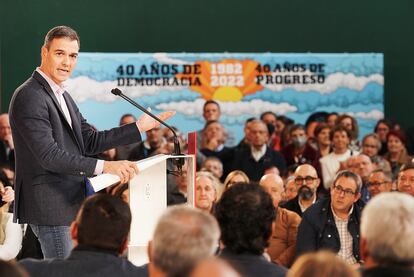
(405, 181)
(245, 213)
(387, 241)
(153, 145)
(285, 228)
(122, 152)
(212, 111)
(6, 141)
(299, 151)
(214, 165)
(307, 182)
(100, 235)
(183, 237)
(379, 181)
(255, 159)
(363, 166)
(333, 223)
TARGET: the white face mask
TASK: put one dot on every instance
(299, 142)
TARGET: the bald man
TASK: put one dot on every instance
(307, 182)
(285, 228)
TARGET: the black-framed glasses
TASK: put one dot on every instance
(307, 179)
(376, 184)
(347, 192)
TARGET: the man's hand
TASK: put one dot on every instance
(7, 194)
(125, 170)
(145, 122)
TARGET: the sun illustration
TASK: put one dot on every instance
(225, 80)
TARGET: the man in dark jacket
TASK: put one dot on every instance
(100, 234)
(333, 223)
(245, 214)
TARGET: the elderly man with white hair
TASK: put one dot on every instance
(387, 241)
(183, 237)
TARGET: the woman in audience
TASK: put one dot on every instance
(397, 153)
(381, 129)
(236, 176)
(351, 124)
(371, 145)
(331, 163)
(10, 233)
(322, 135)
(206, 190)
(321, 264)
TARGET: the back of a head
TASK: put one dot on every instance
(321, 264)
(11, 269)
(214, 267)
(245, 214)
(387, 226)
(182, 237)
(103, 222)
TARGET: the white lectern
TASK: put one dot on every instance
(148, 198)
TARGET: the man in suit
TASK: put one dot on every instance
(53, 144)
(100, 234)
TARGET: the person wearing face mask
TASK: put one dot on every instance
(307, 182)
(299, 151)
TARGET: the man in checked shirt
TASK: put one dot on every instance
(333, 223)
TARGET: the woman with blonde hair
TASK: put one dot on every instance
(321, 264)
(236, 176)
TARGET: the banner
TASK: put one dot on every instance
(245, 85)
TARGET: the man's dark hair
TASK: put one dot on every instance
(245, 214)
(295, 127)
(266, 113)
(103, 222)
(211, 102)
(339, 129)
(60, 32)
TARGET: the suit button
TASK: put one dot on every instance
(329, 236)
(82, 173)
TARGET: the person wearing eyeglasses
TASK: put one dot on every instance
(405, 181)
(333, 223)
(379, 181)
(307, 182)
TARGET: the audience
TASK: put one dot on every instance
(379, 181)
(285, 228)
(245, 214)
(236, 176)
(100, 235)
(362, 166)
(333, 223)
(387, 242)
(405, 181)
(183, 237)
(206, 190)
(382, 128)
(6, 141)
(371, 145)
(10, 233)
(291, 190)
(214, 165)
(255, 159)
(397, 153)
(307, 182)
(331, 163)
(152, 145)
(321, 264)
(213, 267)
(123, 152)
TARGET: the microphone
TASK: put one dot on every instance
(177, 161)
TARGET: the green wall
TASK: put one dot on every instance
(217, 26)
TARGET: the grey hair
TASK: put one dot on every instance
(387, 225)
(209, 175)
(183, 236)
(287, 180)
(349, 174)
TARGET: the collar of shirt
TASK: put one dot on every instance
(55, 87)
(258, 154)
(302, 208)
(337, 218)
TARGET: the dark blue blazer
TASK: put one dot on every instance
(51, 157)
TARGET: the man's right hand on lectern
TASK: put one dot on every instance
(125, 170)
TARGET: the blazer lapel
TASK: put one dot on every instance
(76, 124)
(49, 91)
